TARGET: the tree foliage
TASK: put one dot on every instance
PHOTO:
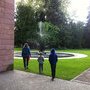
(26, 24)
(87, 33)
(55, 14)
(58, 32)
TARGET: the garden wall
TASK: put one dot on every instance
(6, 34)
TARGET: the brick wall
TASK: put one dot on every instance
(6, 34)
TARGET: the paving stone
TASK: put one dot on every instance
(19, 80)
(83, 77)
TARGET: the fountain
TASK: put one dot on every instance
(46, 54)
(41, 44)
(40, 24)
(41, 30)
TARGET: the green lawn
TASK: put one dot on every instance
(17, 49)
(66, 69)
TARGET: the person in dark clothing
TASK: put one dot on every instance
(40, 61)
(26, 55)
(53, 60)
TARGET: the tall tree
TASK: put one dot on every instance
(77, 35)
(26, 24)
(71, 35)
(54, 13)
(87, 33)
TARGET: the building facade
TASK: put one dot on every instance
(6, 34)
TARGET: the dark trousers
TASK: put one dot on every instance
(25, 61)
(40, 68)
(53, 70)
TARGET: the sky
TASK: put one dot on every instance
(78, 9)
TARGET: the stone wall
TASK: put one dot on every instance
(6, 34)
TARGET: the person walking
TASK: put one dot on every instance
(53, 60)
(26, 55)
(40, 61)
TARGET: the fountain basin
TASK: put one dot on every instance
(45, 54)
